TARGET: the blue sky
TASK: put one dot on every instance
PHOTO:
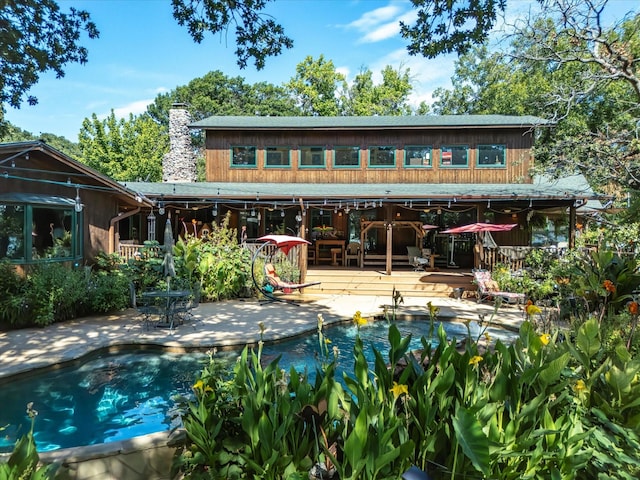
(142, 52)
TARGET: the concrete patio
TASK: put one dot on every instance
(220, 324)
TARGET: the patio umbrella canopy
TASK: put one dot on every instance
(481, 227)
(284, 242)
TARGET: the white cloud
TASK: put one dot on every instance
(426, 74)
(383, 32)
(383, 23)
(375, 17)
(134, 108)
(346, 71)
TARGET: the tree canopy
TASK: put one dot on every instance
(566, 67)
(36, 36)
(124, 150)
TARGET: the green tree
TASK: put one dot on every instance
(318, 88)
(35, 36)
(16, 134)
(257, 35)
(217, 94)
(125, 150)
(567, 68)
(388, 98)
(445, 26)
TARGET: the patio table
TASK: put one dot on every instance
(171, 297)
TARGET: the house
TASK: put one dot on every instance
(55, 209)
(380, 183)
(374, 181)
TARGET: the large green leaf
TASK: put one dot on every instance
(588, 339)
(472, 439)
(552, 371)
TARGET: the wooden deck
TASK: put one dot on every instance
(371, 281)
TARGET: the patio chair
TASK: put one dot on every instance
(183, 308)
(146, 309)
(275, 283)
(488, 289)
(352, 252)
(416, 260)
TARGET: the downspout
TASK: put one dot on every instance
(302, 260)
(112, 228)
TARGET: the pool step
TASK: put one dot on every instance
(342, 281)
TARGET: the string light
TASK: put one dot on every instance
(78, 206)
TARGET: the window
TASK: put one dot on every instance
(346, 157)
(382, 157)
(243, 157)
(417, 157)
(492, 156)
(12, 221)
(312, 157)
(454, 156)
(277, 157)
(35, 232)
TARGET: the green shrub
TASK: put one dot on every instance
(54, 292)
(108, 292)
(539, 408)
(23, 461)
(12, 303)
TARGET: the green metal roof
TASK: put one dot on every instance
(542, 188)
(369, 122)
(37, 199)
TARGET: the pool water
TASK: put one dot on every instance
(120, 396)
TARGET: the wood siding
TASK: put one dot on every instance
(517, 141)
(100, 206)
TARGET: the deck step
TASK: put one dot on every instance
(345, 281)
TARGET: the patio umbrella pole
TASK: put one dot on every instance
(452, 264)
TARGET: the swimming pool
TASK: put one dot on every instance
(119, 396)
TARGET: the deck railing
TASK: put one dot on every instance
(132, 251)
(511, 256)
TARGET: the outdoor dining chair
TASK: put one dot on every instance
(148, 312)
(183, 308)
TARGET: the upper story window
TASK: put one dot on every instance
(31, 232)
(455, 156)
(492, 156)
(417, 157)
(312, 157)
(382, 157)
(243, 157)
(345, 157)
(277, 157)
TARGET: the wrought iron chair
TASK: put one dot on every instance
(183, 309)
(146, 309)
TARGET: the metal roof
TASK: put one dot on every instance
(573, 187)
(369, 122)
(37, 199)
(9, 151)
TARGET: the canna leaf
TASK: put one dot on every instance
(472, 439)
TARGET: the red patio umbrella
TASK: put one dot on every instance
(481, 227)
(284, 242)
(426, 226)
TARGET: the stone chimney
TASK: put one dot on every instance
(179, 165)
